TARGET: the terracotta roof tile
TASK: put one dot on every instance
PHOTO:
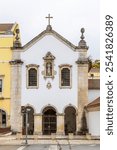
(6, 27)
(94, 103)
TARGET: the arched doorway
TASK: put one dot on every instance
(70, 120)
(49, 120)
(2, 118)
(30, 114)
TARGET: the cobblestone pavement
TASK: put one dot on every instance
(52, 147)
(14, 141)
(9, 147)
(30, 142)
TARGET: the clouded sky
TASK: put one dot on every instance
(69, 16)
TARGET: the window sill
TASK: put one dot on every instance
(32, 87)
(65, 87)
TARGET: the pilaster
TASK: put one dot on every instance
(8, 121)
(82, 94)
(82, 64)
(60, 124)
(15, 118)
(38, 124)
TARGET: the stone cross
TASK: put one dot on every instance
(49, 17)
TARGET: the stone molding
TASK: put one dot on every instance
(82, 61)
(16, 62)
(32, 66)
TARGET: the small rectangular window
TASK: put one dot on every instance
(1, 85)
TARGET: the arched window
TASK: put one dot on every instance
(65, 76)
(32, 76)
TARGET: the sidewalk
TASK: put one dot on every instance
(13, 140)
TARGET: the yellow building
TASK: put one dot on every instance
(9, 38)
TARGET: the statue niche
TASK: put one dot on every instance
(49, 65)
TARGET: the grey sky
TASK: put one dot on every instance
(69, 16)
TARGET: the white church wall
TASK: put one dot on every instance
(93, 121)
(55, 96)
(93, 94)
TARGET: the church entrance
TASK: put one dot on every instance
(70, 120)
(30, 116)
(2, 118)
(49, 124)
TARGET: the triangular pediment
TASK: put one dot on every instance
(49, 32)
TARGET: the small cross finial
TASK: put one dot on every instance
(49, 17)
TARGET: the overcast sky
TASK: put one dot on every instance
(69, 16)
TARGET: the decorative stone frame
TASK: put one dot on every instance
(60, 69)
(2, 78)
(28, 67)
(49, 58)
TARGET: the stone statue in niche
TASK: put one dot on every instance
(48, 66)
(49, 69)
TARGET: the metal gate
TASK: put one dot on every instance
(49, 122)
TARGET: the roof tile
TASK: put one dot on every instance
(6, 27)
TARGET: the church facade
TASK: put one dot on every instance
(50, 83)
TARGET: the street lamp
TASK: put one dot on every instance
(27, 125)
(25, 111)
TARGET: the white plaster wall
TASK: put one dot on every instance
(93, 121)
(93, 94)
(54, 96)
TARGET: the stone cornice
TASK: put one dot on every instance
(82, 61)
(16, 62)
(32, 65)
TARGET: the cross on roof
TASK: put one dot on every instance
(49, 17)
